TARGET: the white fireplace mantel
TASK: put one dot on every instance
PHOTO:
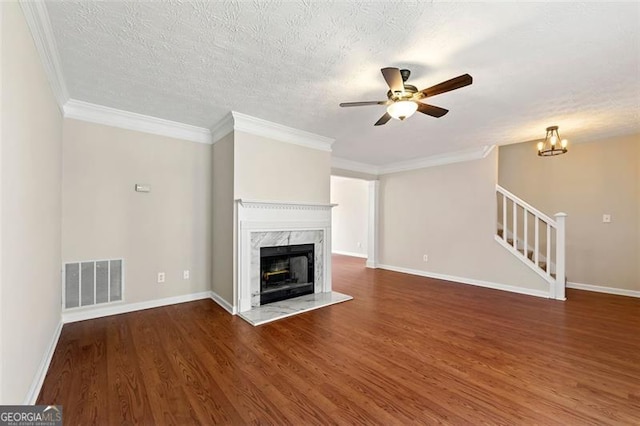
(255, 216)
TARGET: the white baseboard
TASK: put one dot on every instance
(601, 289)
(371, 264)
(349, 253)
(38, 379)
(91, 313)
(470, 281)
(220, 301)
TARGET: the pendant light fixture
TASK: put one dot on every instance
(552, 144)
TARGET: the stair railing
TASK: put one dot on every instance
(538, 256)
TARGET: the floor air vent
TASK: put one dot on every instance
(92, 282)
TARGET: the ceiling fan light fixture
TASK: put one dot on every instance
(402, 109)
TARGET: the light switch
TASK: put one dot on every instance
(606, 218)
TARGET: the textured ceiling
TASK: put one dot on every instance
(576, 65)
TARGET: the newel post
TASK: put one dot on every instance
(560, 257)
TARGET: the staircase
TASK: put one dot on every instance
(534, 238)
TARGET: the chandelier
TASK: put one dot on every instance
(550, 145)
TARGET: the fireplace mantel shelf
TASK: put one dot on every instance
(257, 204)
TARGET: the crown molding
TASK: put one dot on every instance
(222, 128)
(37, 17)
(438, 160)
(354, 166)
(93, 113)
(236, 121)
(419, 163)
(259, 127)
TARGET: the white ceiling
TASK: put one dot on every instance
(576, 65)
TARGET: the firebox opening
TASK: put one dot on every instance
(286, 272)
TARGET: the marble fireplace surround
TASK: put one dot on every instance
(266, 223)
(285, 238)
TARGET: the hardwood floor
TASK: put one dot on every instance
(406, 350)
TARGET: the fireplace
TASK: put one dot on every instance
(305, 229)
(286, 272)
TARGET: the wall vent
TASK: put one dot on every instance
(92, 282)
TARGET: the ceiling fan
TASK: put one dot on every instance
(405, 99)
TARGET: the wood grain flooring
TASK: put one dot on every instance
(406, 350)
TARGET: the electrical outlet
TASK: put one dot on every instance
(425, 258)
(185, 274)
(160, 277)
(606, 218)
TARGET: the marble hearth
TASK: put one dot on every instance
(269, 224)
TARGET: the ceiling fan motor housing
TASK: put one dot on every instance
(408, 93)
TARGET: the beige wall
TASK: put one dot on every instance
(270, 170)
(449, 213)
(167, 230)
(31, 143)
(349, 219)
(590, 180)
(223, 222)
(258, 168)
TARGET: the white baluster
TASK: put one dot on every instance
(504, 217)
(560, 257)
(515, 225)
(548, 249)
(526, 243)
(536, 248)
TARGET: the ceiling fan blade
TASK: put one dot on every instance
(446, 86)
(352, 104)
(431, 110)
(383, 120)
(393, 78)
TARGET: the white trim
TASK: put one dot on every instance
(99, 312)
(529, 207)
(524, 259)
(470, 281)
(222, 128)
(371, 264)
(373, 222)
(469, 154)
(223, 303)
(354, 166)
(94, 113)
(541, 257)
(236, 121)
(601, 289)
(35, 13)
(38, 379)
(349, 253)
(267, 129)
(257, 204)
